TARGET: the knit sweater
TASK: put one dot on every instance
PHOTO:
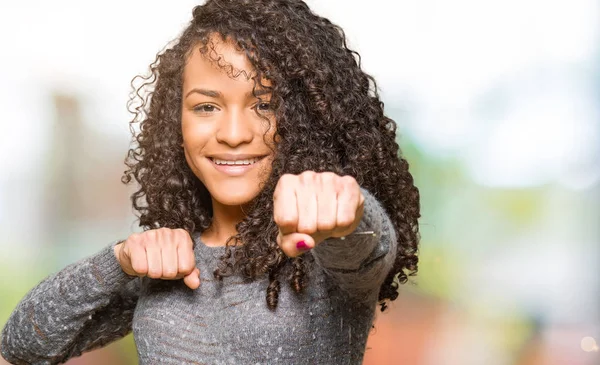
(93, 302)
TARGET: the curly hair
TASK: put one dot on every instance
(329, 118)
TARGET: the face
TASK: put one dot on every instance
(227, 144)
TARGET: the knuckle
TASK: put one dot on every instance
(326, 225)
(308, 175)
(287, 178)
(169, 274)
(284, 221)
(154, 274)
(284, 181)
(139, 269)
(186, 267)
(188, 243)
(180, 232)
(162, 232)
(327, 176)
(348, 181)
(133, 239)
(307, 228)
(135, 245)
(150, 235)
(154, 232)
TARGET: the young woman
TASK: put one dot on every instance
(267, 170)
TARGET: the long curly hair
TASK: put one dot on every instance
(329, 117)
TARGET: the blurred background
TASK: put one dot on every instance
(498, 112)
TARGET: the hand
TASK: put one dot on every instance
(160, 254)
(311, 207)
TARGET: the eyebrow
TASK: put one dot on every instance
(217, 94)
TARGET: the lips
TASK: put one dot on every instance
(235, 156)
(234, 165)
(248, 161)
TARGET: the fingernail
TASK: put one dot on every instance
(302, 246)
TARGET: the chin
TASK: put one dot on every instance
(233, 197)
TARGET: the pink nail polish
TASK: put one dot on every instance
(302, 246)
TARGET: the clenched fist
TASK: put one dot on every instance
(311, 207)
(160, 254)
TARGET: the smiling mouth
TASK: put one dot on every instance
(244, 162)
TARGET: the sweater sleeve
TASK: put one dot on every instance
(360, 263)
(84, 306)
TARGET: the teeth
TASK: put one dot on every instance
(238, 162)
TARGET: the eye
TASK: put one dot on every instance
(263, 107)
(205, 108)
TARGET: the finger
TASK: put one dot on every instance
(169, 261)
(154, 261)
(185, 258)
(326, 203)
(295, 244)
(192, 280)
(306, 200)
(348, 206)
(137, 258)
(285, 210)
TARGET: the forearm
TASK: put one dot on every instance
(359, 263)
(54, 320)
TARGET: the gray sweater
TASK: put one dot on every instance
(93, 302)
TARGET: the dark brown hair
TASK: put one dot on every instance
(329, 118)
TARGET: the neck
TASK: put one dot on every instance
(224, 220)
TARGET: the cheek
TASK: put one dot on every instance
(192, 161)
(195, 135)
(187, 127)
(195, 140)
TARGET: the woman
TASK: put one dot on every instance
(263, 158)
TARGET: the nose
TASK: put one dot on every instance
(234, 129)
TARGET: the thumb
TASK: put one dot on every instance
(295, 244)
(192, 280)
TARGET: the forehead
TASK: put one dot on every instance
(218, 59)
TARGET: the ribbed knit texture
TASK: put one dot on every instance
(93, 302)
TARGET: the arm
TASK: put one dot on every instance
(84, 306)
(360, 263)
